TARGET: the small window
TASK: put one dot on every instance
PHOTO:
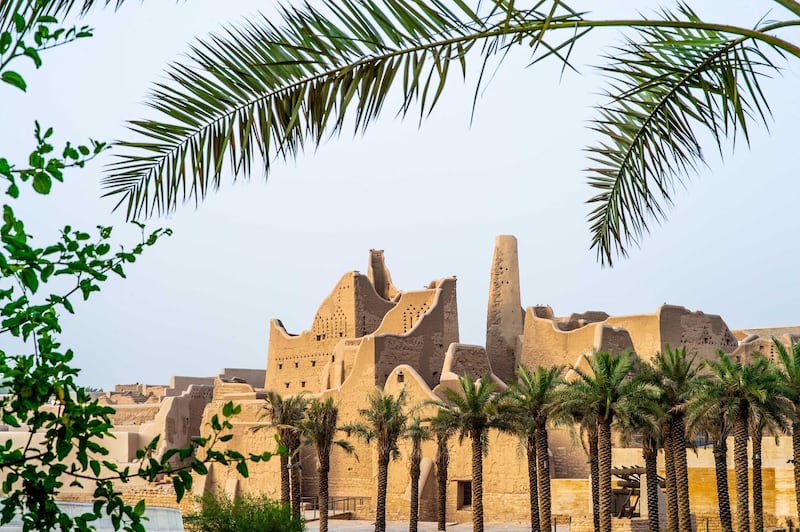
(464, 494)
(319, 337)
(333, 358)
(302, 384)
(401, 377)
(313, 363)
(297, 364)
(286, 384)
(280, 366)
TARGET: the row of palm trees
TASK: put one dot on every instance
(667, 402)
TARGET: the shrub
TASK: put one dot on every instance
(249, 513)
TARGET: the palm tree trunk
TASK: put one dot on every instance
(383, 478)
(530, 448)
(285, 500)
(477, 481)
(594, 475)
(650, 456)
(543, 466)
(796, 460)
(416, 457)
(604, 463)
(442, 461)
(758, 496)
(297, 480)
(322, 496)
(681, 473)
(740, 468)
(721, 470)
(672, 492)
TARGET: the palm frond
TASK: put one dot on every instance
(262, 92)
(666, 87)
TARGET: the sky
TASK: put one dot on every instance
(432, 195)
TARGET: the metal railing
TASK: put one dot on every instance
(336, 505)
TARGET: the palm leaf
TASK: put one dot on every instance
(261, 92)
(666, 87)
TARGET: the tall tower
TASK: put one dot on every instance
(504, 319)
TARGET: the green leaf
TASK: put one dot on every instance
(12, 78)
(42, 183)
(5, 41)
(29, 279)
(19, 22)
(34, 55)
(241, 467)
(139, 508)
(10, 419)
(179, 488)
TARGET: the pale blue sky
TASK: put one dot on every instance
(432, 197)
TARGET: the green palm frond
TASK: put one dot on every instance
(533, 397)
(753, 389)
(261, 92)
(383, 421)
(667, 87)
(790, 369)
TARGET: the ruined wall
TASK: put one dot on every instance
(544, 343)
(296, 363)
(417, 332)
(251, 434)
(676, 326)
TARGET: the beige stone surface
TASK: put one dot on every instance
(504, 319)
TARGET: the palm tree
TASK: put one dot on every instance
(319, 428)
(772, 415)
(572, 413)
(532, 398)
(417, 433)
(265, 90)
(646, 422)
(442, 426)
(745, 392)
(475, 409)
(676, 374)
(285, 414)
(609, 391)
(384, 421)
(790, 371)
(706, 413)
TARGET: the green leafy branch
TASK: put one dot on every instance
(45, 37)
